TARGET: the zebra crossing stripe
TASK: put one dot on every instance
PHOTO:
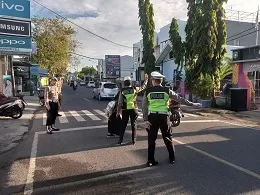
(77, 116)
(90, 115)
(100, 112)
(44, 117)
(63, 118)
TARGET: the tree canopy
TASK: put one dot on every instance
(55, 41)
(147, 26)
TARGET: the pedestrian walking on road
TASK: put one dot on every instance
(128, 106)
(155, 108)
(59, 84)
(51, 97)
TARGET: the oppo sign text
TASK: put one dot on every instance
(5, 5)
(11, 42)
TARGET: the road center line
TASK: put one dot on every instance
(219, 159)
(86, 99)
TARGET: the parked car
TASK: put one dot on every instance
(105, 90)
(91, 84)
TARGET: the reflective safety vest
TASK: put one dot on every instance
(158, 99)
(129, 96)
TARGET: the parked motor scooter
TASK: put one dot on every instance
(176, 113)
(41, 96)
(21, 97)
(11, 108)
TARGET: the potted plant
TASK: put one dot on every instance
(203, 89)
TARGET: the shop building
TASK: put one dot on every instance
(246, 72)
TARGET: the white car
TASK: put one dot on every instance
(105, 90)
(91, 84)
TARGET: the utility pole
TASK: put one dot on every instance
(257, 26)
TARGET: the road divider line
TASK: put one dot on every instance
(86, 99)
(28, 190)
(200, 121)
(77, 116)
(90, 115)
(63, 118)
(219, 159)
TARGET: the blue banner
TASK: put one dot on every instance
(34, 70)
(15, 8)
(15, 44)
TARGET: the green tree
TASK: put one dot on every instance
(91, 71)
(226, 68)
(55, 41)
(190, 54)
(178, 49)
(147, 26)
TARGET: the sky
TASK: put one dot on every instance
(117, 20)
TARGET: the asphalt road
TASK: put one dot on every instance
(212, 156)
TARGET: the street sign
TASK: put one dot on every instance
(15, 9)
(15, 27)
(15, 44)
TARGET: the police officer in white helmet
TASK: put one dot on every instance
(156, 115)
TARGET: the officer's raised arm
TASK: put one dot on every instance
(145, 107)
(176, 97)
(143, 87)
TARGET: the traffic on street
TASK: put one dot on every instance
(211, 155)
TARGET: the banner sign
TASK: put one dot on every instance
(15, 44)
(34, 70)
(15, 9)
(15, 27)
(113, 65)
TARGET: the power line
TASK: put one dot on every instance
(95, 35)
(84, 56)
(241, 32)
(243, 35)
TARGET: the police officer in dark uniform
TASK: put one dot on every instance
(127, 103)
(156, 115)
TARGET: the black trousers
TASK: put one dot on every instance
(160, 121)
(60, 96)
(114, 124)
(52, 113)
(126, 114)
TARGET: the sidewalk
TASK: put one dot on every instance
(13, 130)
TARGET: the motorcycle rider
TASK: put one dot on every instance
(127, 103)
(75, 83)
(155, 114)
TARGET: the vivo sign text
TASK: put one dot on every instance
(15, 8)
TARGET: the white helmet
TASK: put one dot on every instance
(127, 78)
(157, 75)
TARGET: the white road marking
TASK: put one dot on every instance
(63, 118)
(200, 121)
(192, 115)
(44, 118)
(32, 165)
(90, 115)
(100, 112)
(219, 159)
(77, 116)
(86, 99)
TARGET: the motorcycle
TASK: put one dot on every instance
(11, 108)
(41, 96)
(176, 113)
(20, 97)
